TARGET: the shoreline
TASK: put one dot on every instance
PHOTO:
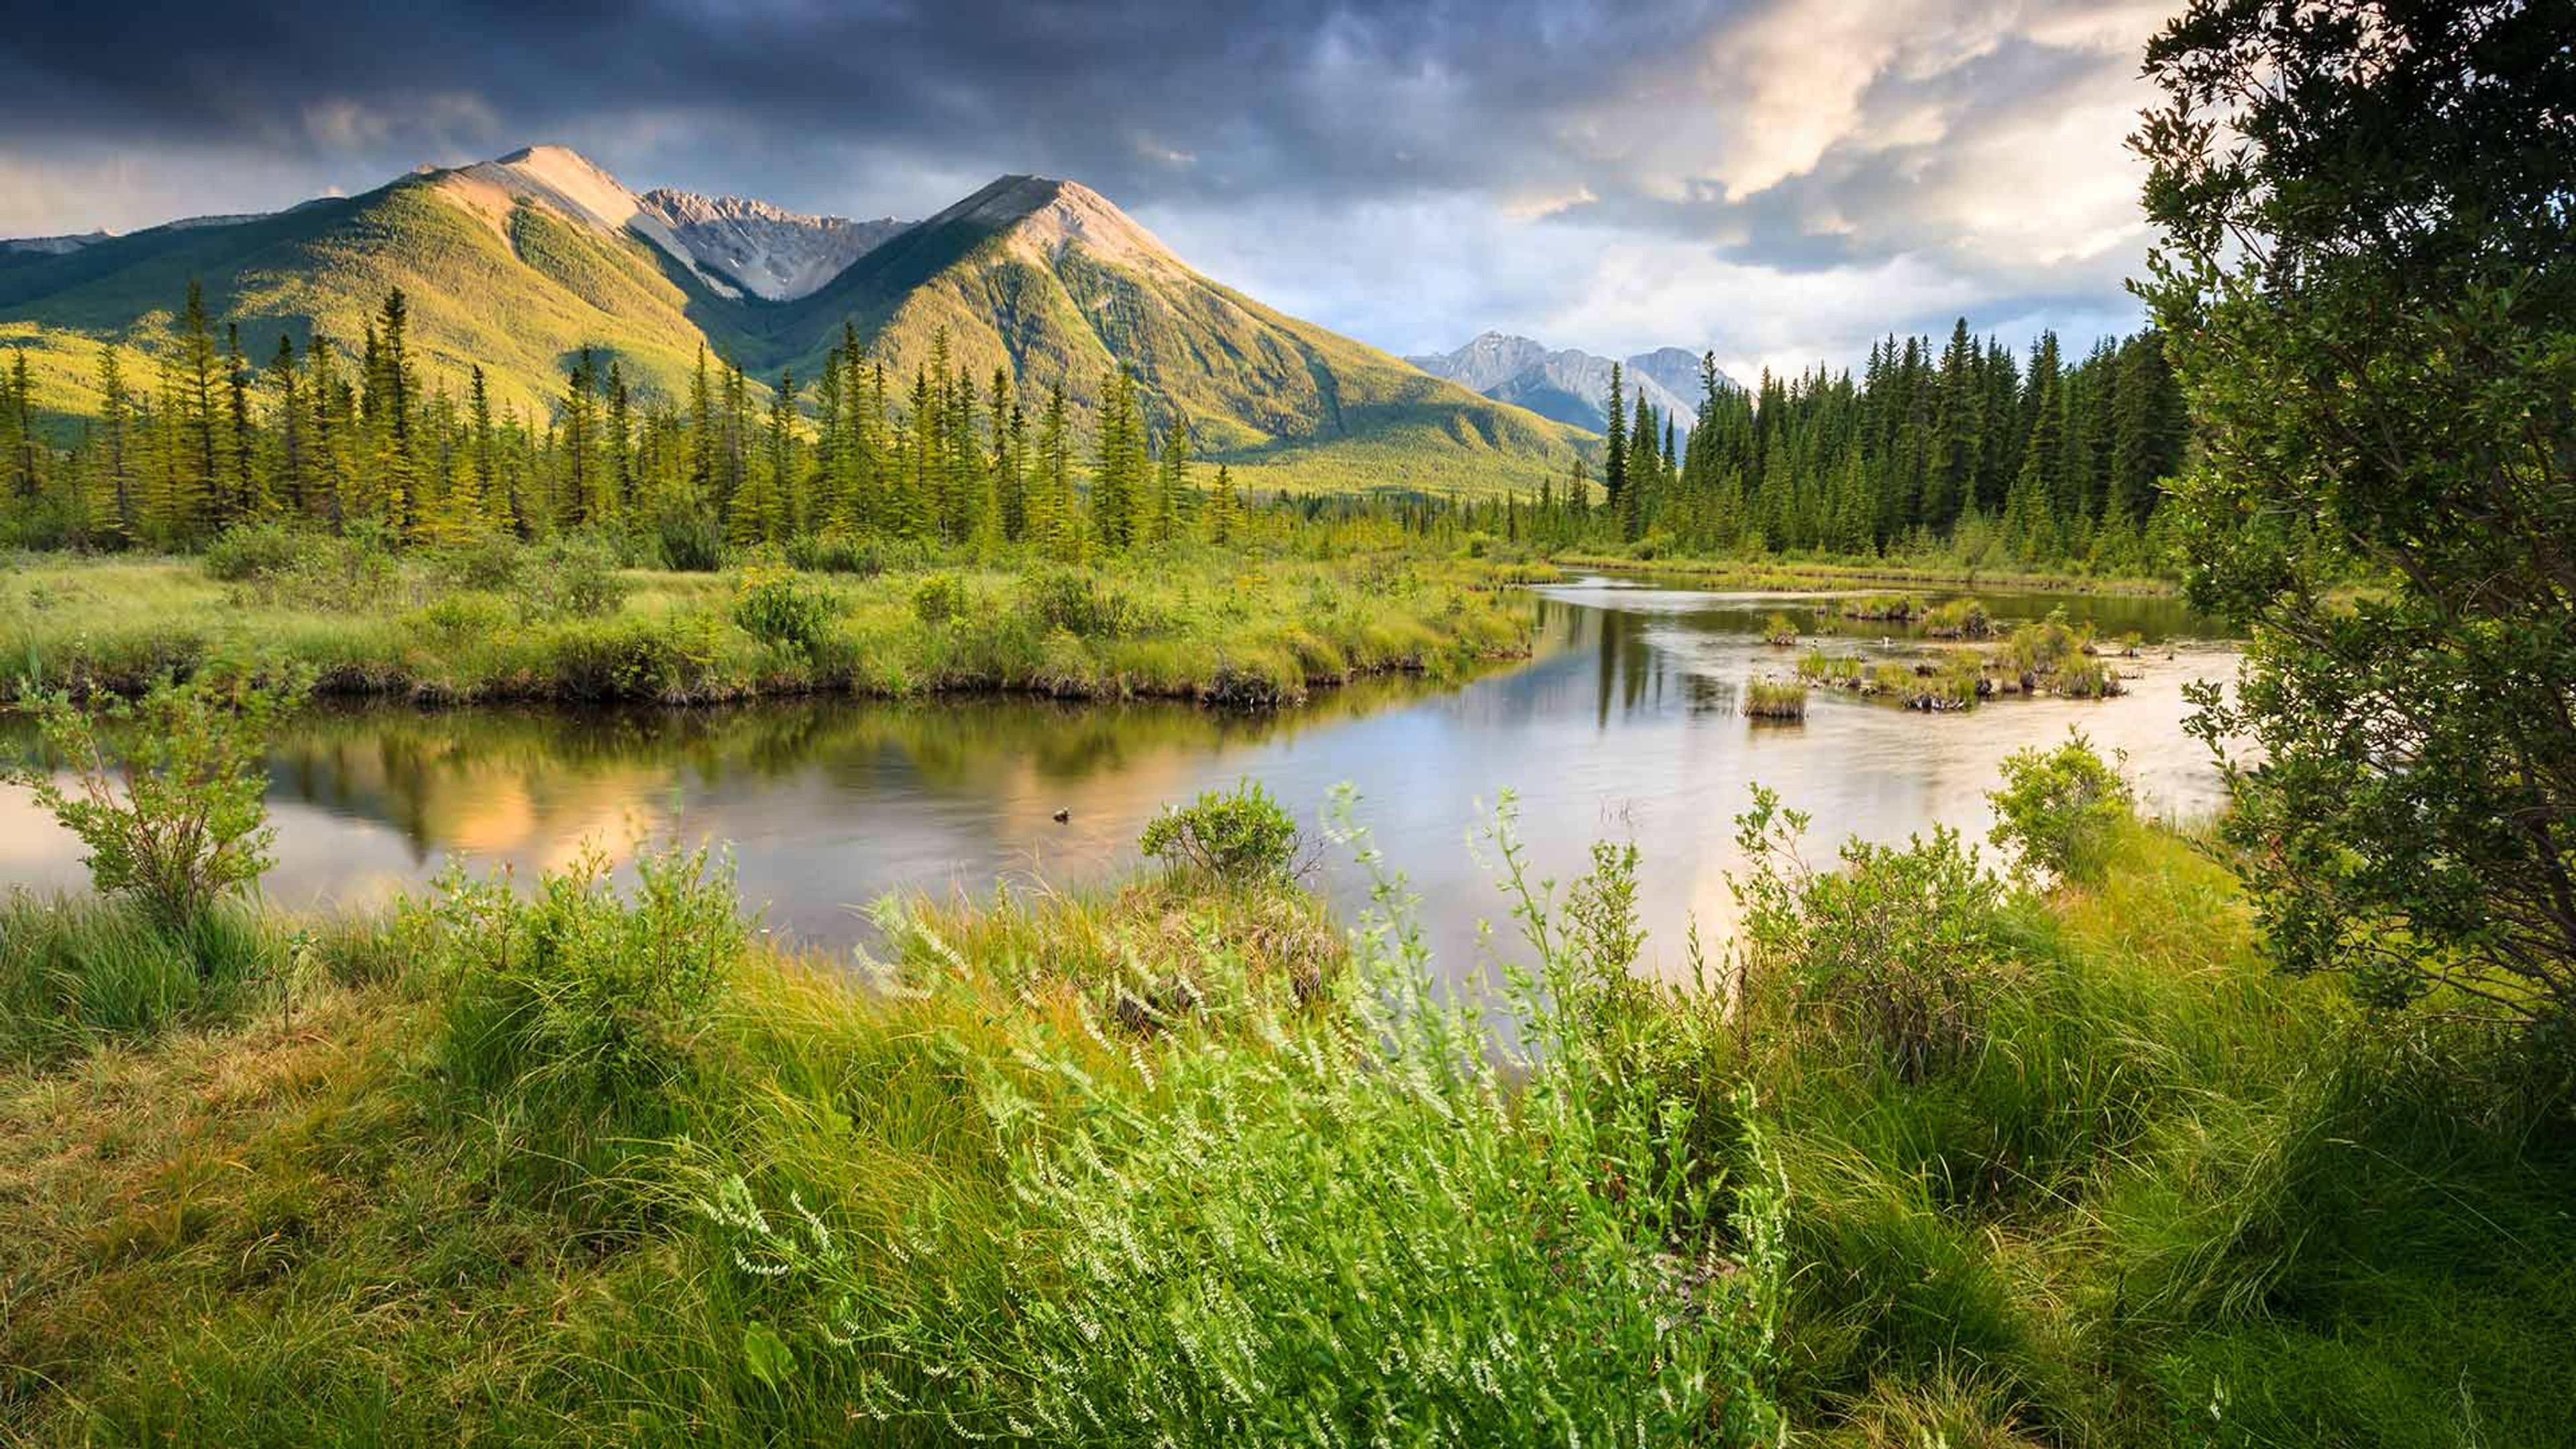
(1828, 575)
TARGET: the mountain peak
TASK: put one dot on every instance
(573, 184)
(1043, 215)
(777, 253)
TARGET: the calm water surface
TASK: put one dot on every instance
(1624, 723)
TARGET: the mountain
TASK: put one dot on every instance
(1569, 385)
(516, 264)
(776, 254)
(52, 246)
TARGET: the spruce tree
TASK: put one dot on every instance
(1614, 457)
(114, 470)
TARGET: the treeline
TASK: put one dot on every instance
(2053, 462)
(215, 440)
(1967, 450)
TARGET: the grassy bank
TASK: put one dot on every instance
(507, 623)
(1803, 575)
(597, 1167)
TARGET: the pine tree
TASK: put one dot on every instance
(1222, 507)
(1118, 473)
(1614, 457)
(1053, 521)
(114, 470)
(197, 470)
(482, 464)
(1171, 482)
(284, 465)
(1010, 461)
(616, 490)
(579, 420)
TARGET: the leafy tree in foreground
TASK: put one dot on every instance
(167, 792)
(2367, 289)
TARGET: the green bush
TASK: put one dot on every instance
(297, 568)
(776, 606)
(689, 540)
(1085, 605)
(168, 792)
(493, 563)
(572, 576)
(1899, 952)
(837, 553)
(250, 550)
(633, 658)
(2060, 809)
(468, 615)
(937, 599)
(581, 997)
(1240, 836)
(1959, 619)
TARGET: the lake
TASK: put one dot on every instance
(1624, 723)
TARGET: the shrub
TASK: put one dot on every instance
(937, 599)
(634, 657)
(251, 550)
(1085, 605)
(2060, 809)
(1241, 836)
(775, 606)
(1899, 952)
(573, 576)
(689, 540)
(467, 615)
(836, 553)
(581, 993)
(167, 792)
(296, 568)
(492, 563)
(1779, 632)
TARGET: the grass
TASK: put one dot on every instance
(1843, 573)
(1780, 699)
(1228, 629)
(401, 1181)
(2175, 1198)
(352, 1205)
(2044, 656)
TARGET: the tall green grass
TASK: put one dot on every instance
(591, 1165)
(1224, 628)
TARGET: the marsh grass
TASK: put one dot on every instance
(1228, 628)
(1775, 699)
(1193, 1157)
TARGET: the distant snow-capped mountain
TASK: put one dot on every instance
(778, 254)
(1569, 385)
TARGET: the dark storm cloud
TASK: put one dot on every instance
(1824, 138)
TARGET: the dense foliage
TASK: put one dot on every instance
(2060, 810)
(168, 792)
(2367, 282)
(1238, 835)
(2059, 467)
(2055, 462)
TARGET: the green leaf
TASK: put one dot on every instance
(767, 1355)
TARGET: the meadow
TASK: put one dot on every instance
(1930, 1154)
(570, 619)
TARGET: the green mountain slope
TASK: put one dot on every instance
(516, 264)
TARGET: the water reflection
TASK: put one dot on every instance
(1625, 723)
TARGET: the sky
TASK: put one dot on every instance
(1779, 181)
